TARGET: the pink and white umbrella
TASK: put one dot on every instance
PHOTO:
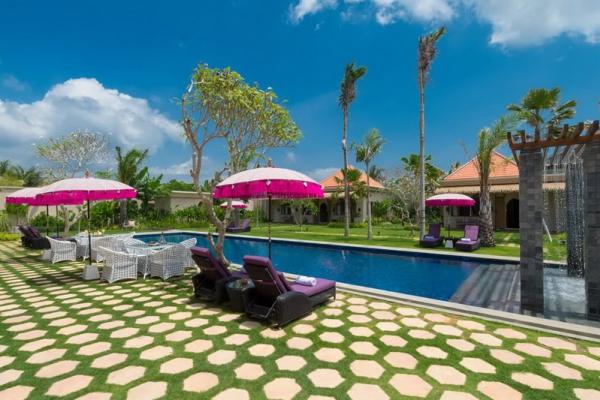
(449, 200)
(86, 189)
(234, 204)
(268, 183)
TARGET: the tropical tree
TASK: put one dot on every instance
(220, 106)
(347, 95)
(433, 174)
(488, 140)
(301, 208)
(542, 108)
(130, 172)
(366, 152)
(454, 166)
(30, 177)
(426, 55)
(377, 173)
(4, 167)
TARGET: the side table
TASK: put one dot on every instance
(239, 292)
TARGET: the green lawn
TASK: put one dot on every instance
(396, 236)
(149, 339)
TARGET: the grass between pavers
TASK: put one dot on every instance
(23, 277)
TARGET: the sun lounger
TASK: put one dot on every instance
(244, 227)
(210, 282)
(470, 241)
(433, 238)
(278, 299)
(32, 238)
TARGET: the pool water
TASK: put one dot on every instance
(432, 276)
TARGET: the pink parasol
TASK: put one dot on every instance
(450, 199)
(235, 204)
(269, 183)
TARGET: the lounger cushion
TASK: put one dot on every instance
(204, 252)
(321, 286)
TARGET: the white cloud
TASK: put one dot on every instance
(307, 7)
(291, 156)
(514, 23)
(12, 83)
(83, 104)
(322, 173)
(182, 170)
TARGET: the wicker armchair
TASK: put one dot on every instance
(118, 265)
(108, 242)
(62, 250)
(132, 242)
(188, 244)
(143, 254)
(169, 262)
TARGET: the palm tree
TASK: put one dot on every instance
(4, 167)
(366, 152)
(427, 51)
(488, 140)
(129, 171)
(376, 173)
(541, 107)
(347, 95)
(454, 166)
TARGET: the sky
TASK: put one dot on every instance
(117, 67)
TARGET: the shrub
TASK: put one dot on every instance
(4, 223)
(9, 237)
(39, 221)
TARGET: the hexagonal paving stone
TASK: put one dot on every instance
(383, 315)
(72, 329)
(299, 343)
(356, 300)
(37, 345)
(138, 342)
(19, 392)
(532, 380)
(447, 330)
(365, 348)
(46, 356)
(281, 389)
(331, 337)
(557, 343)
(362, 391)
(294, 363)
(510, 333)
(366, 369)
(124, 333)
(393, 341)
(215, 330)
(200, 382)
(387, 326)
(410, 385)
(272, 333)
(325, 378)
(470, 325)
(498, 391)
(595, 351)
(401, 360)
(533, 350)
(109, 360)
(162, 327)
(452, 395)
(331, 323)
(94, 348)
(178, 336)
(198, 346)
(587, 394)
(460, 344)
(10, 375)
(261, 350)
(82, 338)
(583, 361)
(196, 322)
(156, 353)
(56, 369)
(179, 316)
(435, 317)
(69, 385)
(506, 356)
(432, 352)
(421, 334)
(303, 329)
(125, 375)
(446, 375)
(249, 371)
(486, 339)
(221, 357)
(414, 322)
(176, 365)
(237, 339)
(111, 325)
(30, 335)
(562, 371)
(407, 311)
(96, 396)
(359, 319)
(147, 320)
(478, 365)
(147, 391)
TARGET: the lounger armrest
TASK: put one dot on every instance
(291, 306)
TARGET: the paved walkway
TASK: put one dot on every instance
(61, 337)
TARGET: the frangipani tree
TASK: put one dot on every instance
(219, 106)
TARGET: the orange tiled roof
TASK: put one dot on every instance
(502, 167)
(331, 182)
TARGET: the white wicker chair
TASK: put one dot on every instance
(62, 250)
(118, 265)
(108, 242)
(169, 262)
(188, 244)
(143, 253)
(132, 242)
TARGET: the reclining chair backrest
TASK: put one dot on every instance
(210, 267)
(267, 281)
(24, 230)
(435, 230)
(34, 232)
(472, 232)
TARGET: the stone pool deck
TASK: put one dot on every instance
(61, 337)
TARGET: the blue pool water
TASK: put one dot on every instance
(436, 277)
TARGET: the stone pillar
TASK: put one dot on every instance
(531, 211)
(591, 209)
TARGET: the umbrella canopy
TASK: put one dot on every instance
(450, 199)
(28, 197)
(262, 183)
(85, 189)
(235, 204)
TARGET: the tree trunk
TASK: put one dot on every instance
(369, 223)
(485, 216)
(421, 216)
(123, 212)
(345, 176)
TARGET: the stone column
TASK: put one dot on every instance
(531, 211)
(591, 209)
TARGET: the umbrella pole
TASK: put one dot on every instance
(47, 221)
(56, 224)
(269, 211)
(89, 233)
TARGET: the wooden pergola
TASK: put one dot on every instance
(571, 140)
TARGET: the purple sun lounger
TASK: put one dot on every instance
(210, 282)
(278, 299)
(244, 227)
(433, 238)
(470, 241)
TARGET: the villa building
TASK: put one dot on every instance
(504, 191)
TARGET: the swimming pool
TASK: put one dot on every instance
(432, 276)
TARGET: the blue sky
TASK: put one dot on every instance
(116, 67)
